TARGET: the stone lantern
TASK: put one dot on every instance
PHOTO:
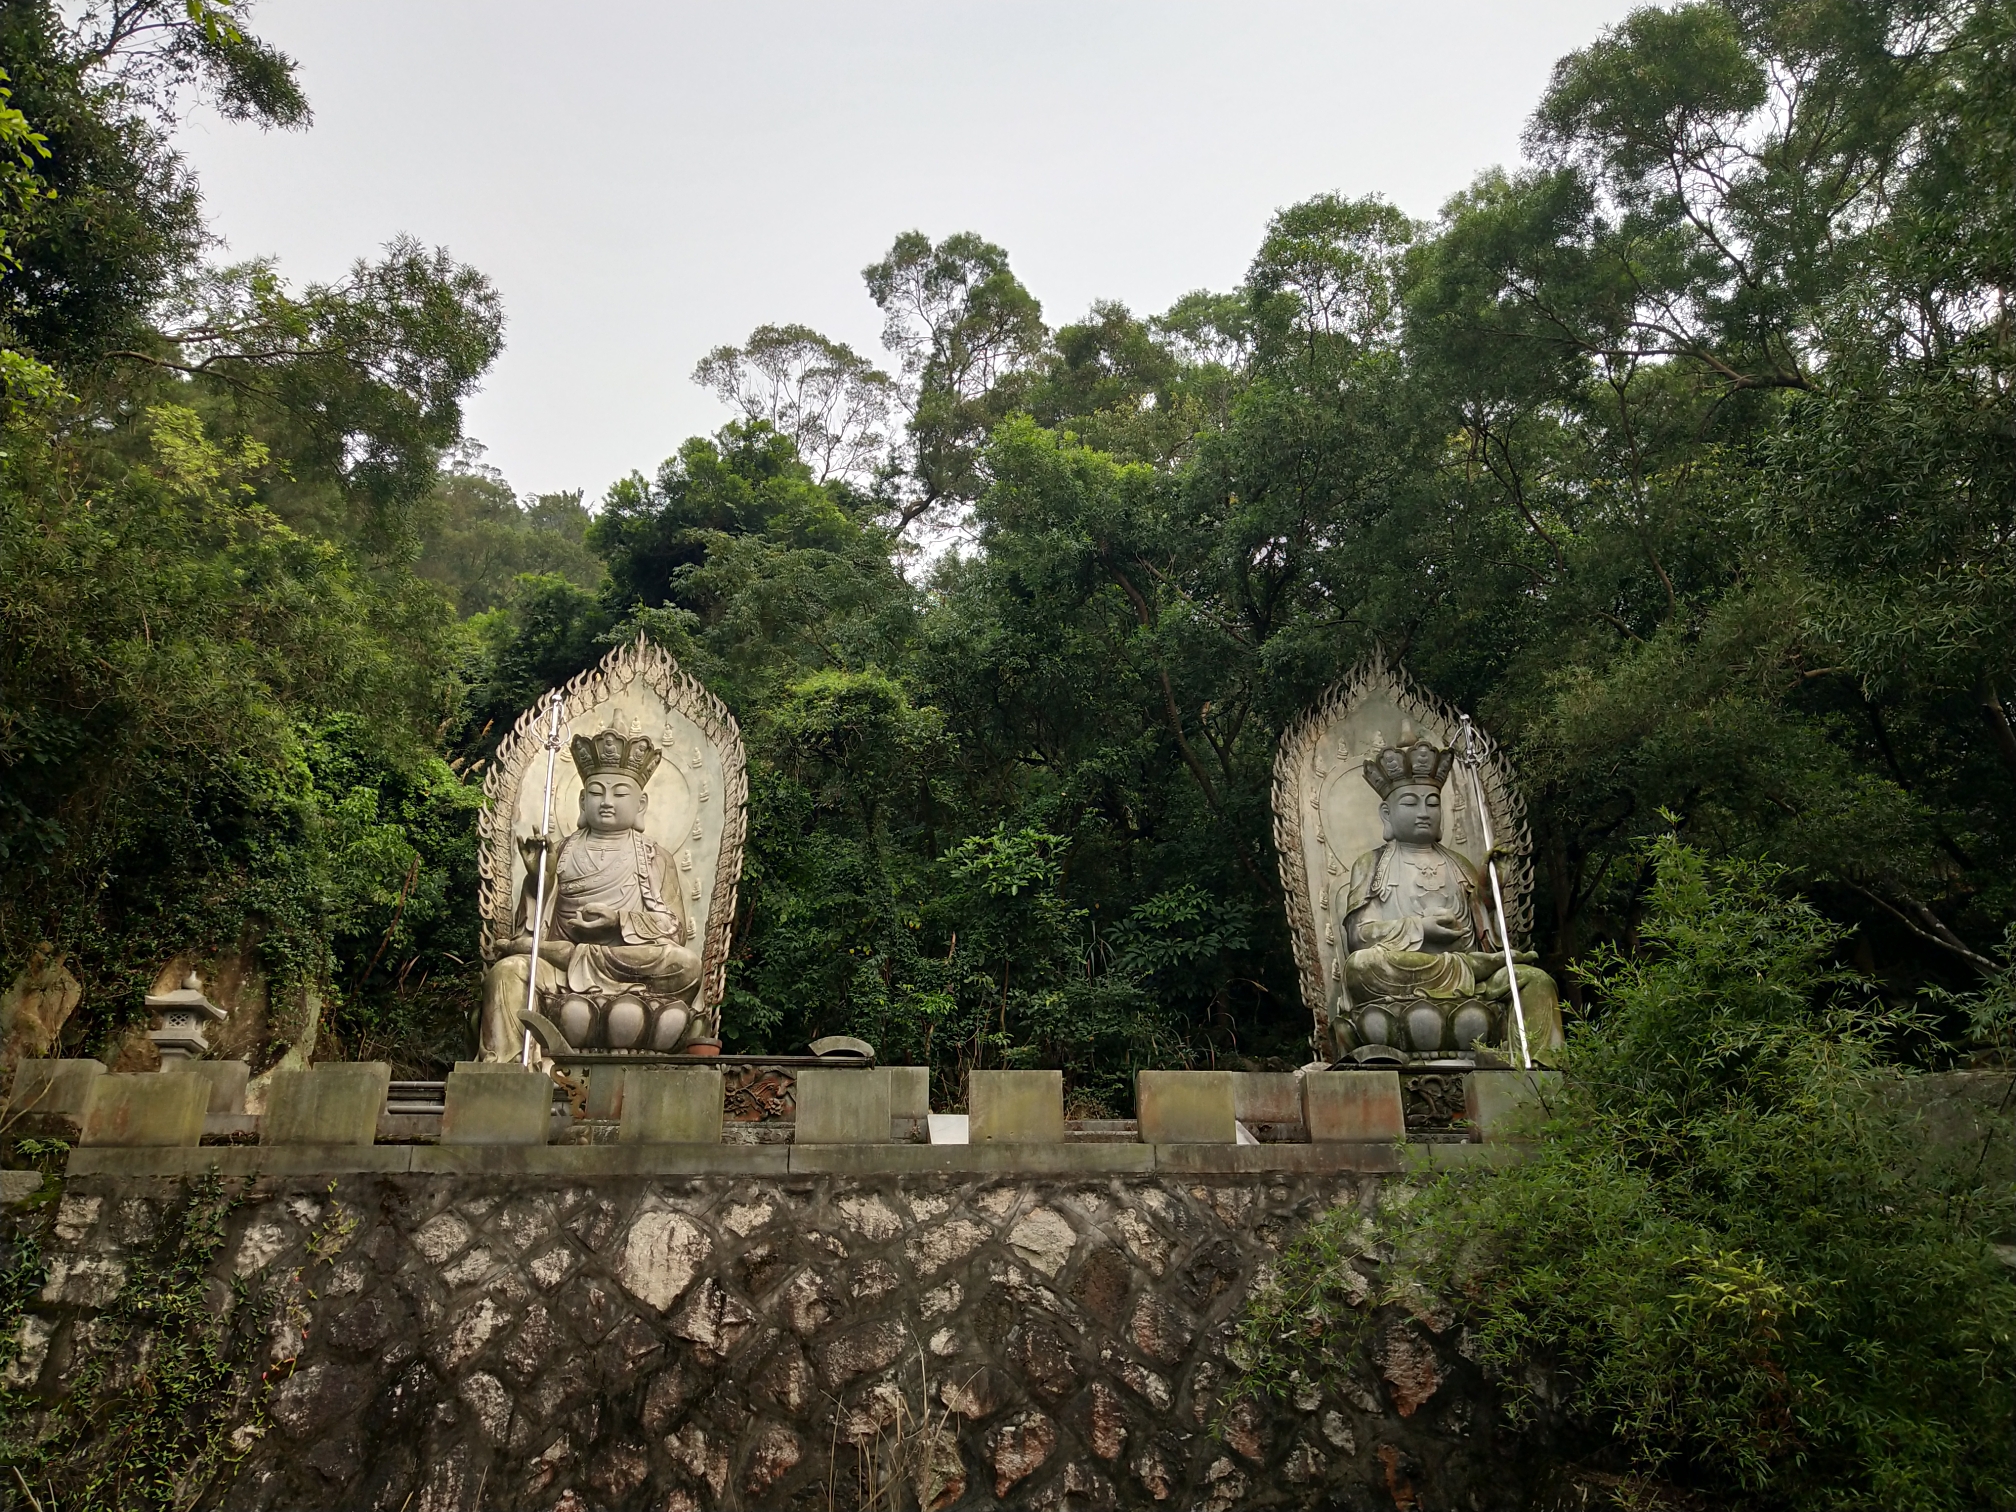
(185, 1014)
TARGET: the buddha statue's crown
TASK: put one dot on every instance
(1410, 761)
(611, 752)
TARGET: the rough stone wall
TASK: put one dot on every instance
(683, 1343)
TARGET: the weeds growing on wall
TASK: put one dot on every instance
(1733, 1255)
(155, 1379)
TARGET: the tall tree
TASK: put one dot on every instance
(221, 690)
(833, 403)
(966, 332)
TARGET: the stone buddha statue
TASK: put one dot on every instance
(616, 968)
(1424, 971)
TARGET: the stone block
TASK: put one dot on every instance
(1267, 1097)
(145, 1108)
(1015, 1107)
(909, 1091)
(1067, 1159)
(490, 1104)
(318, 1162)
(53, 1086)
(335, 1103)
(1269, 1159)
(605, 1092)
(680, 1105)
(1509, 1104)
(18, 1186)
(227, 1080)
(842, 1106)
(595, 1161)
(1186, 1107)
(1353, 1105)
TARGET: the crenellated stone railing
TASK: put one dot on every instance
(346, 1116)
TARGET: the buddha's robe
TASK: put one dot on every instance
(1384, 906)
(1391, 894)
(640, 939)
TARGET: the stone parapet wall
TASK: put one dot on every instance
(357, 1103)
(530, 1335)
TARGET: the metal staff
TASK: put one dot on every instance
(539, 888)
(1497, 893)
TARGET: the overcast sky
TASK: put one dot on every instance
(646, 181)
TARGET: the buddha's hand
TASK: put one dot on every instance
(532, 847)
(1500, 985)
(592, 919)
(1441, 929)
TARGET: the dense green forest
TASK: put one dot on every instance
(1680, 452)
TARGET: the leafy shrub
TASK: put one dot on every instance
(1731, 1251)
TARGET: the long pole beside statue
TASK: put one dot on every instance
(539, 888)
(1497, 893)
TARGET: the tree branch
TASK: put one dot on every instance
(1937, 934)
(1997, 719)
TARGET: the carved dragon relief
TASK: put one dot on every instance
(1325, 815)
(697, 733)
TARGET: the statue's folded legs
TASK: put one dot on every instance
(626, 978)
(1539, 1001)
(500, 1034)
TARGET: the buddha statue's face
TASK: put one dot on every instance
(1412, 814)
(611, 803)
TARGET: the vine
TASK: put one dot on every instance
(154, 1376)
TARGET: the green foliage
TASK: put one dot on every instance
(21, 148)
(112, 221)
(967, 333)
(831, 402)
(1678, 453)
(1325, 276)
(1989, 1012)
(477, 540)
(221, 694)
(180, 668)
(154, 1385)
(1733, 1253)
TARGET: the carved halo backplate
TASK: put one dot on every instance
(698, 795)
(1326, 815)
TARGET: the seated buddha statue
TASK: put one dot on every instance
(1424, 970)
(616, 968)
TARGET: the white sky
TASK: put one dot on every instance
(645, 181)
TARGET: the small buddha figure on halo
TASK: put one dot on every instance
(1424, 969)
(615, 948)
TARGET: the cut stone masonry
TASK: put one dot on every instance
(770, 1340)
